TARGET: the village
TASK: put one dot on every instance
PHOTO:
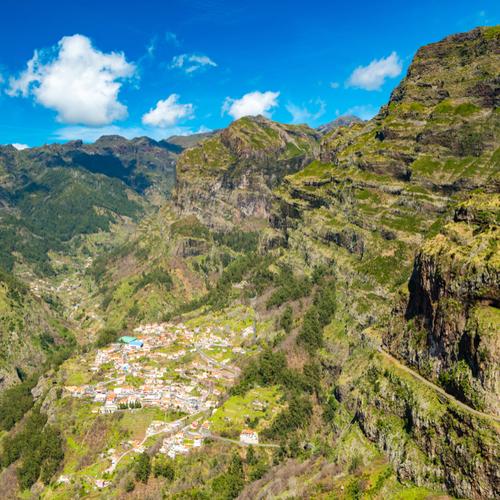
(172, 367)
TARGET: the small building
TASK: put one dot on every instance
(136, 343)
(108, 408)
(258, 405)
(249, 436)
(126, 339)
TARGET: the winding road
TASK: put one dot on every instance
(113, 466)
(435, 387)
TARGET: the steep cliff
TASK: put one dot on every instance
(379, 187)
(228, 178)
(452, 313)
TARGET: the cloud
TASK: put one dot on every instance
(363, 111)
(172, 39)
(301, 114)
(334, 85)
(168, 112)
(151, 47)
(78, 81)
(251, 104)
(373, 76)
(189, 63)
(19, 146)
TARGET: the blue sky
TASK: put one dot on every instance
(72, 70)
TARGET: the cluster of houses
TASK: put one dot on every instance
(171, 367)
(193, 436)
(183, 441)
(144, 370)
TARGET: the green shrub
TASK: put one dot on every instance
(106, 336)
(157, 276)
(286, 320)
(239, 241)
(142, 467)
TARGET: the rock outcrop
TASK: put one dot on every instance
(452, 313)
(227, 179)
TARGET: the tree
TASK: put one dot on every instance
(325, 301)
(230, 484)
(258, 471)
(106, 336)
(142, 467)
(286, 321)
(129, 485)
(40, 448)
(28, 471)
(163, 468)
(235, 476)
(51, 452)
(251, 459)
(15, 402)
(294, 447)
(312, 376)
(311, 334)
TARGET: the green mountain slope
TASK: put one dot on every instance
(357, 268)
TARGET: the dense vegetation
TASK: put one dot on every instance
(38, 447)
(289, 288)
(55, 205)
(15, 402)
(318, 316)
(237, 240)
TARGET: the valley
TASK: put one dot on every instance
(265, 311)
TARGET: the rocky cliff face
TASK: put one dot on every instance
(375, 205)
(428, 440)
(452, 313)
(379, 187)
(228, 178)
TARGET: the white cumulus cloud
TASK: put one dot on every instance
(78, 81)
(19, 146)
(251, 104)
(168, 112)
(191, 62)
(373, 76)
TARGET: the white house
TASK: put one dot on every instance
(108, 408)
(248, 436)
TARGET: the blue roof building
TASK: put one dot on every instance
(126, 339)
(136, 343)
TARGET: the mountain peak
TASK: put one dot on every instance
(341, 121)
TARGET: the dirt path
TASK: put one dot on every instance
(239, 443)
(435, 387)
